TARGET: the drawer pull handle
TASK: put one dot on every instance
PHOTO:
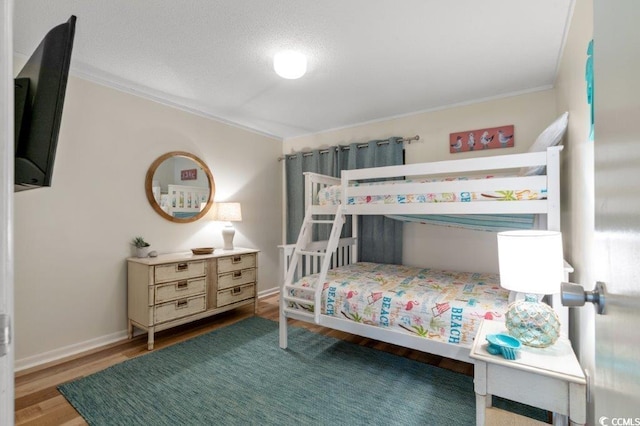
(182, 285)
(236, 290)
(236, 259)
(182, 304)
(182, 266)
(237, 274)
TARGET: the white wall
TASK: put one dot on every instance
(7, 391)
(578, 192)
(71, 240)
(578, 164)
(435, 246)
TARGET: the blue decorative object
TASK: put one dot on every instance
(533, 323)
(589, 78)
(503, 344)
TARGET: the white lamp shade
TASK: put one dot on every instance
(289, 64)
(531, 261)
(227, 212)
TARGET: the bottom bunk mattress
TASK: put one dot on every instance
(440, 305)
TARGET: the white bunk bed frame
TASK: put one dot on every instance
(195, 194)
(320, 256)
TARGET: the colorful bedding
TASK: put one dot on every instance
(331, 195)
(440, 305)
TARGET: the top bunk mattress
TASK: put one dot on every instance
(440, 305)
(331, 195)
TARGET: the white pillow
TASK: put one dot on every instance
(551, 136)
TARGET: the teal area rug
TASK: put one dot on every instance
(238, 375)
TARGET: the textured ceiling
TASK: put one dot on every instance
(368, 59)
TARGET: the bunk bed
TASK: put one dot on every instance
(430, 310)
(181, 201)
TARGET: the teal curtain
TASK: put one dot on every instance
(380, 238)
(323, 161)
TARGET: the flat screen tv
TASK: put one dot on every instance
(39, 96)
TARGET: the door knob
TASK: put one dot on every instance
(573, 295)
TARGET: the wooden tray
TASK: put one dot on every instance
(202, 250)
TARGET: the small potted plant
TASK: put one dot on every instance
(142, 247)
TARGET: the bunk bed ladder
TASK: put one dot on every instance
(301, 250)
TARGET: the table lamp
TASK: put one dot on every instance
(531, 262)
(227, 212)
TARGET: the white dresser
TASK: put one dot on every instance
(177, 288)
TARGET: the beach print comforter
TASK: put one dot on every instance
(440, 305)
(331, 195)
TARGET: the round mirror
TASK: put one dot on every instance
(180, 187)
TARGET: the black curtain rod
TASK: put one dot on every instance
(346, 148)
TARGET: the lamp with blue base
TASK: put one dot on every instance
(531, 264)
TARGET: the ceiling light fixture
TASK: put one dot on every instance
(289, 64)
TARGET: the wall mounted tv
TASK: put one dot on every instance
(39, 96)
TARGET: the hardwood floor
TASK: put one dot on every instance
(38, 401)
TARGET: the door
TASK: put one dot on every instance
(6, 210)
(617, 204)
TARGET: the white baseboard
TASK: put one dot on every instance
(268, 292)
(67, 351)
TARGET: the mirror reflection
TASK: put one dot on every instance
(180, 187)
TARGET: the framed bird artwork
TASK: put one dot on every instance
(478, 140)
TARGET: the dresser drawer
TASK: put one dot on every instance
(236, 294)
(179, 289)
(179, 308)
(237, 262)
(236, 278)
(179, 271)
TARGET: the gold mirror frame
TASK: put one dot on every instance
(148, 184)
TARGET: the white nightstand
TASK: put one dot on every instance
(549, 378)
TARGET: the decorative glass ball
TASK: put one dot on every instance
(533, 323)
